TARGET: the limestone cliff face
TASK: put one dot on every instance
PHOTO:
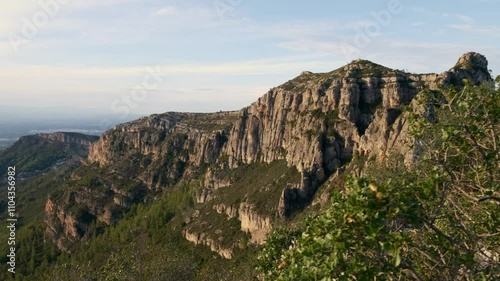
(203, 239)
(210, 184)
(248, 220)
(258, 226)
(62, 225)
(315, 122)
(59, 137)
(69, 138)
(252, 222)
(186, 139)
(134, 162)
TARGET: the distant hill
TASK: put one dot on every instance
(36, 153)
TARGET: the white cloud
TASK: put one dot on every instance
(166, 11)
(65, 72)
(344, 51)
(477, 29)
(90, 4)
(12, 13)
(5, 47)
(464, 18)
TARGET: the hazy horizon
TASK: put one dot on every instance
(128, 57)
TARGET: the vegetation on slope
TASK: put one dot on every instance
(356, 69)
(33, 244)
(32, 153)
(148, 242)
(259, 184)
(147, 245)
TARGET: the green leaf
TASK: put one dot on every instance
(397, 259)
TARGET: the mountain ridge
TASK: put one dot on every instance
(314, 123)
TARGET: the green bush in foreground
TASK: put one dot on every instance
(363, 234)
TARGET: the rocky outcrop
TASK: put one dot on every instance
(317, 121)
(230, 211)
(173, 144)
(59, 137)
(201, 230)
(256, 225)
(63, 225)
(471, 66)
(203, 239)
(200, 135)
(69, 138)
(251, 221)
(141, 159)
(210, 185)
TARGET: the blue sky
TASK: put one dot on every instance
(87, 57)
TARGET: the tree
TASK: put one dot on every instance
(462, 153)
(32, 261)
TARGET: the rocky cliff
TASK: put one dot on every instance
(317, 121)
(58, 137)
(69, 138)
(314, 124)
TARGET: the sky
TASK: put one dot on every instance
(122, 58)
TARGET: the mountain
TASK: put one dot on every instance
(305, 130)
(223, 181)
(36, 153)
(41, 162)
